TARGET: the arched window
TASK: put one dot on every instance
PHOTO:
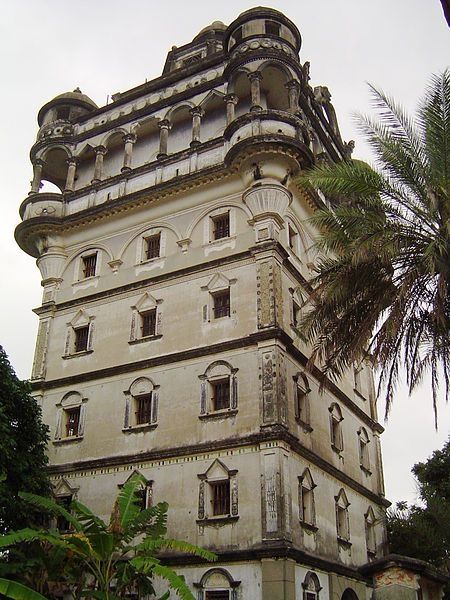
(363, 446)
(71, 416)
(301, 401)
(217, 584)
(342, 517)
(141, 405)
(349, 594)
(218, 390)
(311, 586)
(371, 542)
(336, 418)
(306, 504)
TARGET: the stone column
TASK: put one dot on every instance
(255, 88)
(38, 165)
(164, 127)
(70, 179)
(197, 114)
(100, 152)
(231, 100)
(130, 140)
(293, 88)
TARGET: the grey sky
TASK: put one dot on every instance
(105, 46)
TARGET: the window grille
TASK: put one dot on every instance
(148, 323)
(221, 304)
(89, 265)
(220, 492)
(153, 246)
(81, 338)
(144, 409)
(221, 394)
(72, 421)
(221, 226)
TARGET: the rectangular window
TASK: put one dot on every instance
(221, 306)
(62, 524)
(81, 338)
(292, 237)
(272, 28)
(148, 323)
(296, 314)
(153, 246)
(307, 507)
(143, 496)
(144, 409)
(336, 434)
(72, 421)
(221, 226)
(310, 596)
(221, 394)
(220, 497)
(89, 265)
(63, 112)
(342, 523)
(217, 595)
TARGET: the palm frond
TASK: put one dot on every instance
(17, 591)
(49, 505)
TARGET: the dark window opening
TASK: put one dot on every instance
(295, 314)
(220, 497)
(292, 237)
(148, 323)
(81, 338)
(89, 265)
(273, 28)
(192, 59)
(153, 247)
(142, 498)
(63, 113)
(221, 394)
(72, 421)
(62, 524)
(221, 226)
(221, 304)
(217, 595)
(144, 409)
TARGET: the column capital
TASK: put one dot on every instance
(164, 124)
(38, 162)
(72, 160)
(100, 150)
(130, 138)
(231, 99)
(197, 111)
(255, 76)
(292, 84)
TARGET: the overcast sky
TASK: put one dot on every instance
(105, 46)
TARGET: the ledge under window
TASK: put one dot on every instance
(219, 414)
(138, 428)
(365, 469)
(147, 338)
(225, 520)
(344, 542)
(304, 425)
(358, 393)
(76, 354)
(337, 449)
(308, 526)
(68, 440)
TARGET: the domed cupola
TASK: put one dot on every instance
(262, 28)
(66, 107)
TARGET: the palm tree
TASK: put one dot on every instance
(101, 560)
(382, 285)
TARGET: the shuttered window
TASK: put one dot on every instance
(153, 246)
(148, 323)
(144, 409)
(89, 265)
(220, 497)
(72, 421)
(221, 394)
(221, 306)
(81, 338)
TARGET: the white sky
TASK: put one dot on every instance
(104, 46)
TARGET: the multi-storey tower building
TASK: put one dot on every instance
(174, 260)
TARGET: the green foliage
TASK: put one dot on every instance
(98, 559)
(23, 439)
(383, 282)
(424, 531)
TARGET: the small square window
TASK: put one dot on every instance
(221, 226)
(221, 307)
(144, 408)
(89, 265)
(220, 394)
(81, 338)
(220, 497)
(153, 246)
(72, 421)
(148, 323)
(273, 28)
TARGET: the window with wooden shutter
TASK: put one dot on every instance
(153, 246)
(221, 304)
(148, 323)
(81, 338)
(221, 394)
(89, 265)
(220, 497)
(144, 406)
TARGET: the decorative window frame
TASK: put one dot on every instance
(306, 485)
(370, 533)
(311, 586)
(208, 225)
(79, 275)
(217, 472)
(363, 450)
(145, 303)
(218, 283)
(216, 579)
(342, 524)
(336, 435)
(81, 319)
(141, 257)
(302, 392)
(216, 371)
(71, 400)
(147, 488)
(62, 489)
(142, 386)
(296, 308)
